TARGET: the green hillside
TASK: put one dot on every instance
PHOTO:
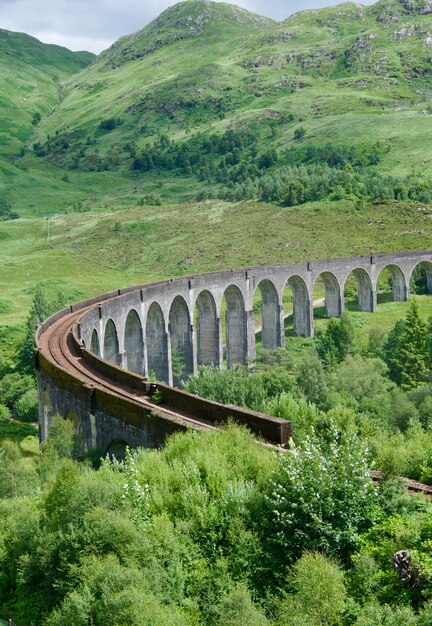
(216, 138)
(30, 89)
(347, 74)
(30, 85)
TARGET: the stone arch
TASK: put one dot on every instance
(400, 288)
(333, 295)
(366, 297)
(181, 339)
(302, 307)
(134, 343)
(207, 329)
(426, 266)
(236, 326)
(111, 350)
(271, 323)
(156, 342)
(94, 343)
(117, 449)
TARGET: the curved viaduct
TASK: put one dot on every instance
(93, 358)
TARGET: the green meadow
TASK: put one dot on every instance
(75, 131)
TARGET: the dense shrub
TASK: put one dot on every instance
(322, 496)
(26, 408)
(14, 386)
(319, 595)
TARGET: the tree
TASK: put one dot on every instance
(36, 118)
(6, 212)
(311, 380)
(429, 339)
(338, 340)
(320, 596)
(321, 496)
(238, 609)
(299, 133)
(42, 307)
(267, 159)
(406, 350)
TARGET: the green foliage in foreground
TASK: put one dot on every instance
(42, 307)
(374, 385)
(216, 530)
(408, 350)
(16, 431)
(212, 530)
(322, 496)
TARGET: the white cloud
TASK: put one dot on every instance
(90, 44)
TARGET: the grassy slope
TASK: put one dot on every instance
(311, 65)
(194, 238)
(26, 260)
(30, 82)
(346, 73)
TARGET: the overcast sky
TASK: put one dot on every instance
(94, 24)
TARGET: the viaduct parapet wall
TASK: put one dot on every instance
(172, 327)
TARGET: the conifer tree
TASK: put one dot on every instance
(407, 350)
(42, 307)
(429, 342)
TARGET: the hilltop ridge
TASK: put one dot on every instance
(184, 21)
(355, 77)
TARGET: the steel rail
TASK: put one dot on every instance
(59, 342)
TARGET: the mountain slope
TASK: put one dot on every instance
(30, 84)
(212, 101)
(346, 73)
(177, 66)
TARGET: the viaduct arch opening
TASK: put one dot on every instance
(296, 292)
(235, 326)
(207, 327)
(270, 315)
(111, 350)
(358, 291)
(94, 344)
(181, 340)
(134, 343)
(421, 278)
(157, 343)
(117, 449)
(326, 283)
(392, 285)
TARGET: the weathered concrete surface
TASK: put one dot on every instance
(139, 328)
(186, 314)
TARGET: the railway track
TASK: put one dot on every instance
(58, 344)
(412, 486)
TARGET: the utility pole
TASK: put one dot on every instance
(49, 218)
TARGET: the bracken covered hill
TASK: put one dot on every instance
(211, 101)
(29, 84)
(347, 74)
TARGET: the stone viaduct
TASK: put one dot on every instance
(202, 319)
